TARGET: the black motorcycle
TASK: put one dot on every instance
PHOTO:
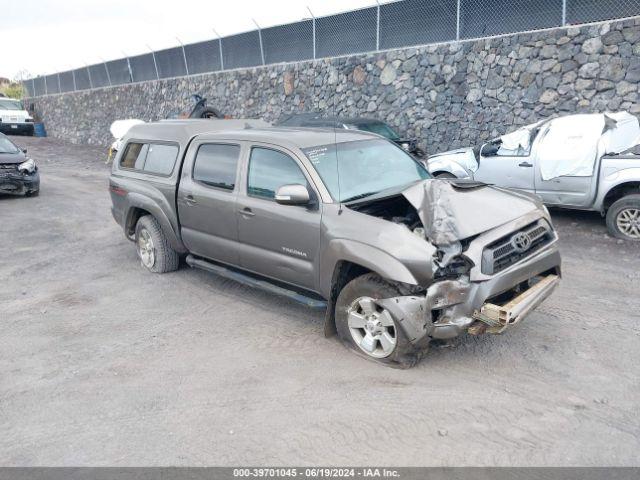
(201, 110)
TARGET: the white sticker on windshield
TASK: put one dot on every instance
(315, 154)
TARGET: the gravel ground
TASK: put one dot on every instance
(105, 364)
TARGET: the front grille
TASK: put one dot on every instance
(8, 167)
(512, 248)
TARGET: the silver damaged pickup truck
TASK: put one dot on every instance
(581, 162)
(342, 220)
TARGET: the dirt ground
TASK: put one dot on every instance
(103, 363)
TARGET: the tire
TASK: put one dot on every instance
(623, 218)
(153, 248)
(445, 175)
(34, 193)
(210, 112)
(365, 290)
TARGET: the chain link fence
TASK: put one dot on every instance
(396, 24)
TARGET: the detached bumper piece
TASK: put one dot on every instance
(496, 319)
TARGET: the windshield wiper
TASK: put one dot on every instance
(358, 197)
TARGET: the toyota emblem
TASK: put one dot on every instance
(521, 242)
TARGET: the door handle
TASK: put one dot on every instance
(525, 164)
(246, 212)
(190, 200)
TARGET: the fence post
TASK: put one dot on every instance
(90, 81)
(106, 69)
(130, 70)
(59, 87)
(33, 87)
(155, 64)
(73, 74)
(458, 21)
(378, 26)
(564, 12)
(128, 67)
(46, 90)
(313, 23)
(220, 46)
(184, 56)
(260, 38)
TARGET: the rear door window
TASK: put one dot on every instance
(216, 165)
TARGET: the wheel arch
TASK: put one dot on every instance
(350, 260)
(440, 172)
(437, 165)
(140, 206)
(618, 191)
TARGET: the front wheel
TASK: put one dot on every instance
(154, 251)
(369, 329)
(623, 218)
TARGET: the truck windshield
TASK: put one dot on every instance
(10, 104)
(379, 128)
(364, 167)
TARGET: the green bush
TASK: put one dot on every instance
(13, 90)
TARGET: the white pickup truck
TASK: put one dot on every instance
(14, 119)
(585, 162)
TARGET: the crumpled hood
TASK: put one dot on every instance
(454, 210)
(12, 157)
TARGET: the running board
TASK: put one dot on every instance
(255, 282)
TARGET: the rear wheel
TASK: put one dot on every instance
(210, 112)
(623, 218)
(369, 329)
(154, 250)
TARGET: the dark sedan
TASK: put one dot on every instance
(18, 173)
(352, 123)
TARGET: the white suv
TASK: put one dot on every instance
(14, 119)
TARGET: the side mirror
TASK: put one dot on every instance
(292, 195)
(24, 150)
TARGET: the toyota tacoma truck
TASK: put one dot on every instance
(337, 219)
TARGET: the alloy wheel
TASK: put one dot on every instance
(372, 328)
(628, 222)
(146, 250)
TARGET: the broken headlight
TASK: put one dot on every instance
(457, 267)
(450, 263)
(27, 167)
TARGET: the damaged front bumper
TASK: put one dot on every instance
(492, 318)
(19, 183)
(490, 305)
